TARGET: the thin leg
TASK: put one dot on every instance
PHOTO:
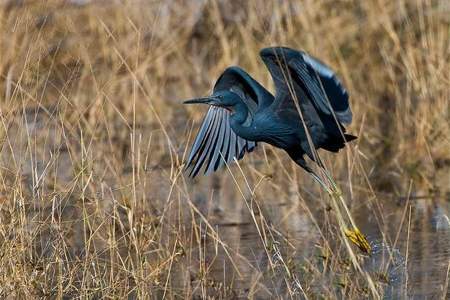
(315, 158)
(302, 163)
(319, 162)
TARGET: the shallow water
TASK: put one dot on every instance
(280, 240)
(413, 267)
(425, 249)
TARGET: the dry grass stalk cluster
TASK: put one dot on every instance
(93, 202)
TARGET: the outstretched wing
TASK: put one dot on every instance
(216, 143)
(323, 86)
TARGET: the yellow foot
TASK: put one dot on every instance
(357, 238)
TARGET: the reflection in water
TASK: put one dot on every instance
(388, 264)
(414, 266)
(410, 240)
(426, 253)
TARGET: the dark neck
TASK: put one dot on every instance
(238, 121)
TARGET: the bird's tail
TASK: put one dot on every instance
(349, 137)
(336, 144)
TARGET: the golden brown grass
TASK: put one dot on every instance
(93, 201)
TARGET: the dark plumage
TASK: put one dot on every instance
(242, 112)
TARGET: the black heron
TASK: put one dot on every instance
(308, 112)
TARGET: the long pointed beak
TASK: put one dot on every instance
(206, 100)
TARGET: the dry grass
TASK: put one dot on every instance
(93, 202)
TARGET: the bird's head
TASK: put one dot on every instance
(224, 99)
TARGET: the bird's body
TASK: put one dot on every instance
(307, 113)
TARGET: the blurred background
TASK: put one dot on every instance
(93, 199)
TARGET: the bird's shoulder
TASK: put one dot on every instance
(270, 122)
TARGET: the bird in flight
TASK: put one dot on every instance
(308, 112)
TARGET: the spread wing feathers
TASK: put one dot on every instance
(237, 80)
(216, 143)
(317, 78)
